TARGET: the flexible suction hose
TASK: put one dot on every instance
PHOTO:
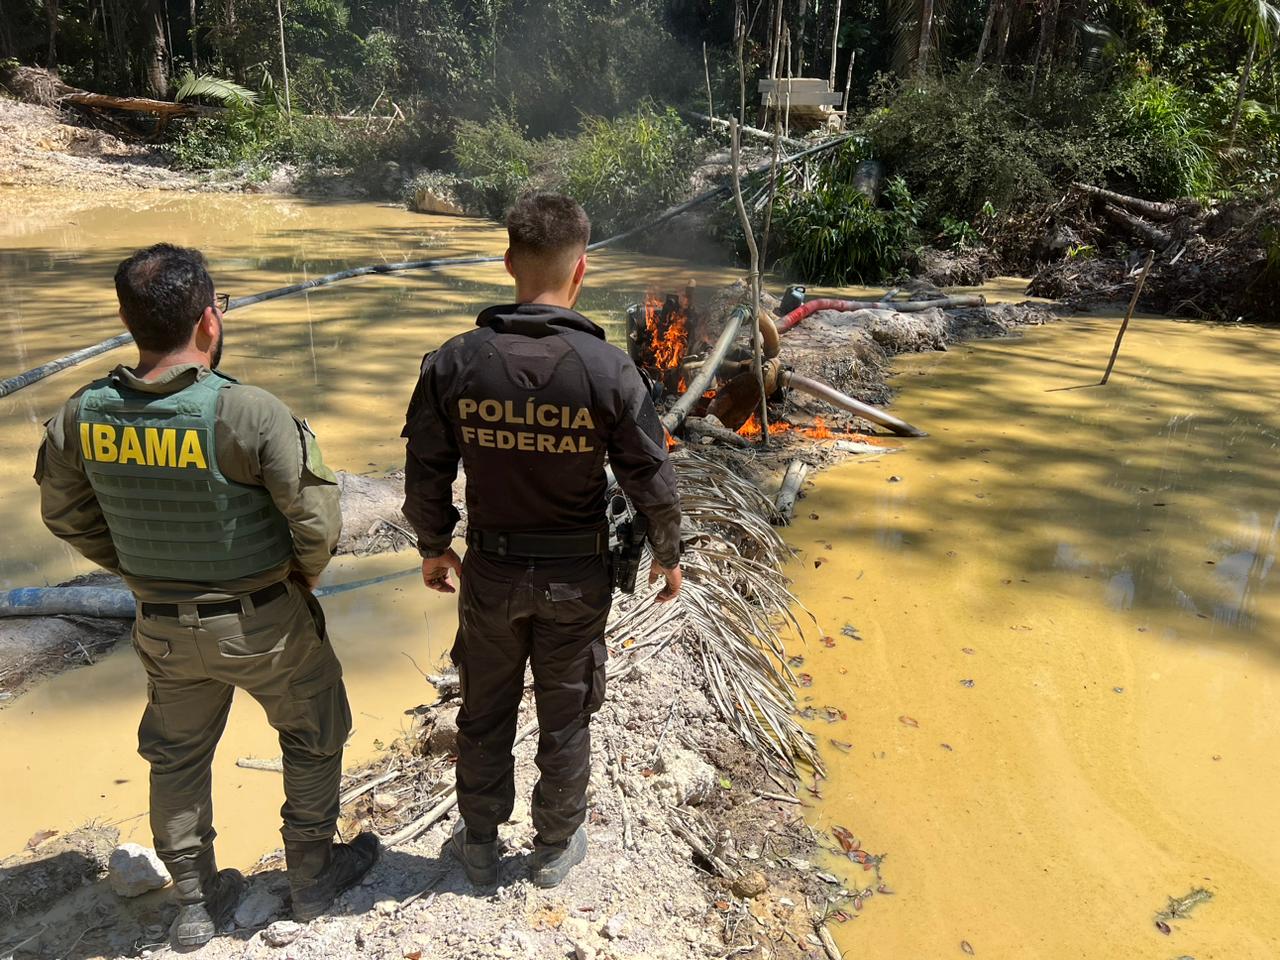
(25, 379)
(834, 397)
(905, 306)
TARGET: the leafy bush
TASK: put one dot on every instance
(962, 141)
(620, 170)
(1166, 150)
(497, 162)
(626, 169)
(833, 233)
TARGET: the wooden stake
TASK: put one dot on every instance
(1128, 315)
(284, 64)
(835, 45)
(757, 342)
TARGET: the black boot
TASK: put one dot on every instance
(206, 900)
(319, 871)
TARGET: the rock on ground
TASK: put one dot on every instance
(257, 908)
(684, 777)
(134, 870)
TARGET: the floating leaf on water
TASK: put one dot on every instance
(842, 745)
(907, 721)
(846, 839)
(813, 516)
(964, 945)
(849, 630)
(945, 746)
(860, 856)
(796, 661)
(1163, 927)
(828, 641)
(842, 670)
(819, 562)
(857, 903)
(884, 890)
(968, 650)
(806, 680)
(966, 683)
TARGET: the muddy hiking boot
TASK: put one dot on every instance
(207, 899)
(319, 871)
(479, 857)
(552, 863)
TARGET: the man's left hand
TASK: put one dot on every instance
(435, 571)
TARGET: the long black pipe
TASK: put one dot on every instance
(15, 383)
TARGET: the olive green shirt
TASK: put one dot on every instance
(257, 441)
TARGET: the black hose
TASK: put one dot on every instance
(15, 383)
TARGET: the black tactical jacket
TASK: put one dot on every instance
(533, 401)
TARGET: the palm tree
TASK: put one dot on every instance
(917, 24)
(1259, 20)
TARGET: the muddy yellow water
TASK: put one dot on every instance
(1063, 700)
(345, 356)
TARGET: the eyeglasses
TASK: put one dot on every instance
(222, 301)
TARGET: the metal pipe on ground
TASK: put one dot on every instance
(116, 603)
(675, 417)
(811, 307)
(785, 501)
(816, 388)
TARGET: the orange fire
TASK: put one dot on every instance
(818, 431)
(667, 323)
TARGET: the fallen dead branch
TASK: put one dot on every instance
(785, 502)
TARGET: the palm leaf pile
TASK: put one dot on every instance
(732, 611)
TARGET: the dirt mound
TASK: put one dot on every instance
(1215, 262)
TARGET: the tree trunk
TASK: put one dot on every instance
(284, 63)
(1243, 87)
(1006, 26)
(1044, 49)
(157, 50)
(6, 41)
(802, 15)
(835, 44)
(993, 7)
(51, 18)
(195, 41)
(926, 35)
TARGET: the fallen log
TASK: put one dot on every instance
(712, 427)
(831, 395)
(1137, 227)
(1143, 208)
(163, 108)
(753, 131)
(785, 501)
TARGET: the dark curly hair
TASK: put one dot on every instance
(163, 290)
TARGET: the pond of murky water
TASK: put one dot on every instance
(1062, 673)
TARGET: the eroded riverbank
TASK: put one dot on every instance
(1061, 681)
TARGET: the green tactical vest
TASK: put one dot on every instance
(172, 514)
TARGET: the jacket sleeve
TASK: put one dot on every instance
(431, 463)
(638, 455)
(267, 446)
(68, 504)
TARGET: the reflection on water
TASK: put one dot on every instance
(1071, 592)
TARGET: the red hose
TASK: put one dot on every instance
(813, 306)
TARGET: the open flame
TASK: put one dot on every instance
(666, 322)
(818, 431)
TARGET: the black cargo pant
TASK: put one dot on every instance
(551, 613)
(279, 654)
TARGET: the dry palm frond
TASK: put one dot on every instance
(734, 603)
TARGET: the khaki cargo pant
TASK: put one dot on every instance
(279, 653)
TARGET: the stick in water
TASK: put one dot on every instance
(1128, 315)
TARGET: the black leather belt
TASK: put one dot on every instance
(218, 608)
(539, 546)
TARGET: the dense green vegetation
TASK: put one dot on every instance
(977, 109)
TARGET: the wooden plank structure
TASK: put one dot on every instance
(806, 102)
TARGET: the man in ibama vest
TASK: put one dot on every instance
(532, 401)
(212, 502)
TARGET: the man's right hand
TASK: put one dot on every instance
(673, 577)
(435, 571)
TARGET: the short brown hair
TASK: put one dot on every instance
(548, 232)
